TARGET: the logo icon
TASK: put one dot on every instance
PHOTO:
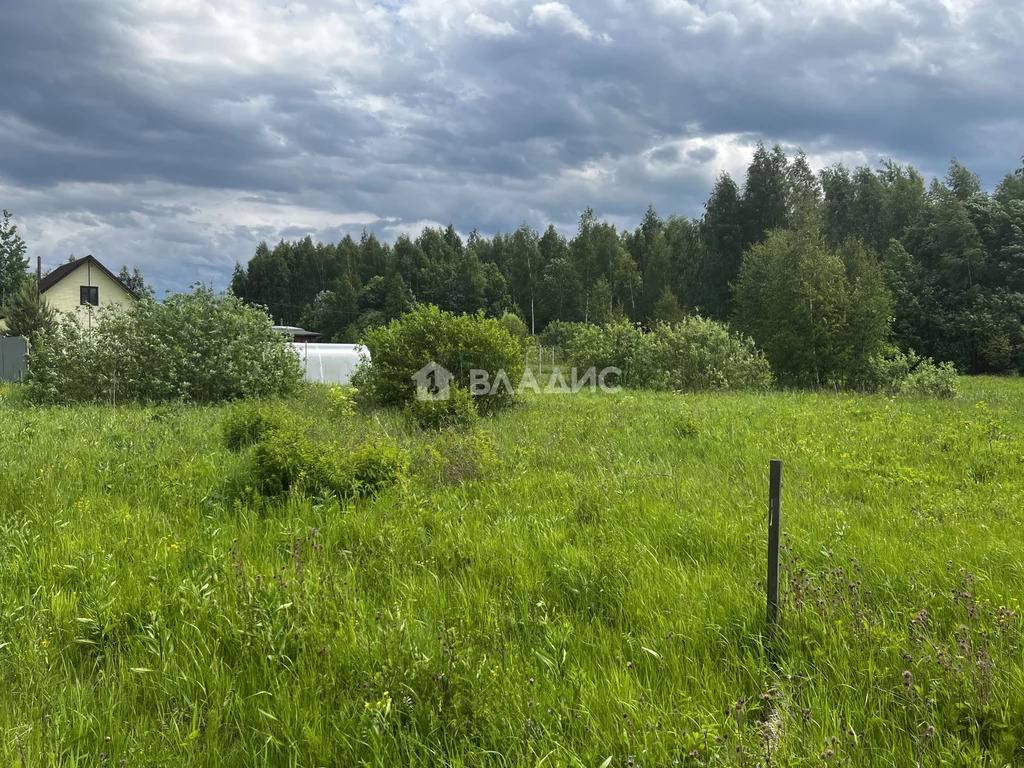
(432, 382)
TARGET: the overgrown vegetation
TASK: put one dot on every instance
(247, 422)
(286, 460)
(895, 373)
(577, 581)
(458, 343)
(691, 355)
(197, 347)
(285, 452)
(456, 411)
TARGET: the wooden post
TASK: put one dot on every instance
(774, 524)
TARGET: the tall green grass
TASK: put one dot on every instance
(580, 580)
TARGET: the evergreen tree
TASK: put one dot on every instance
(27, 314)
(766, 194)
(137, 283)
(13, 261)
(721, 231)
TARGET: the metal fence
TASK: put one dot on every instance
(13, 358)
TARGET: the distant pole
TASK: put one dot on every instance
(774, 524)
(540, 360)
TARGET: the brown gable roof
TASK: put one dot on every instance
(66, 269)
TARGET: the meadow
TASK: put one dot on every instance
(577, 582)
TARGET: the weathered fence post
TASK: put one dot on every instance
(774, 524)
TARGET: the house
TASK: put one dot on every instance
(81, 287)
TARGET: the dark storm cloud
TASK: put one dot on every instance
(176, 135)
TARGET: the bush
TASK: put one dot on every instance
(247, 422)
(699, 354)
(516, 327)
(457, 411)
(342, 400)
(896, 373)
(458, 343)
(560, 333)
(695, 354)
(370, 468)
(617, 345)
(198, 347)
(284, 460)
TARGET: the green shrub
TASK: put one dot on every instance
(286, 460)
(931, 380)
(617, 345)
(283, 460)
(897, 373)
(516, 327)
(458, 343)
(198, 347)
(246, 422)
(370, 468)
(342, 400)
(560, 334)
(699, 354)
(695, 354)
(457, 411)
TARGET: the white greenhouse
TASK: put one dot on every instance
(331, 363)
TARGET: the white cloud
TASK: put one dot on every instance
(561, 17)
(489, 27)
(178, 133)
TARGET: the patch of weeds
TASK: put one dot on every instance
(453, 458)
(247, 422)
(286, 460)
(457, 411)
(684, 428)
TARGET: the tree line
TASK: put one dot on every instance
(941, 266)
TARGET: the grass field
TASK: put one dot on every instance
(579, 583)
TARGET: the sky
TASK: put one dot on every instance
(175, 135)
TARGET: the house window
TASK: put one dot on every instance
(89, 295)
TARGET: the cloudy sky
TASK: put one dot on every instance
(177, 134)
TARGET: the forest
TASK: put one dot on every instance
(948, 258)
